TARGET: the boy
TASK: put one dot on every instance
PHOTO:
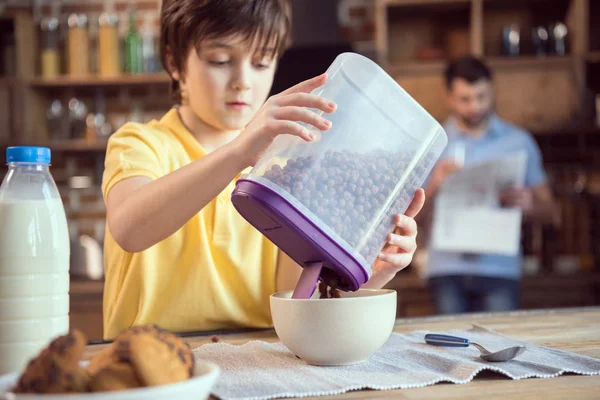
(177, 252)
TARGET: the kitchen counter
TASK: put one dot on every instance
(414, 298)
(575, 329)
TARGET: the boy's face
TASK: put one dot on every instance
(226, 82)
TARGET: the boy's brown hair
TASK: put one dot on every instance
(184, 24)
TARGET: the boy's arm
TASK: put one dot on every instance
(535, 196)
(141, 212)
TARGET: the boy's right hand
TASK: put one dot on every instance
(280, 115)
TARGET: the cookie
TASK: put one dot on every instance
(114, 377)
(69, 347)
(178, 348)
(153, 330)
(155, 362)
(50, 373)
(103, 358)
(56, 369)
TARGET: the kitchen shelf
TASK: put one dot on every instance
(437, 67)
(64, 146)
(529, 61)
(594, 56)
(77, 145)
(584, 131)
(96, 81)
(8, 81)
(416, 68)
(397, 3)
(406, 30)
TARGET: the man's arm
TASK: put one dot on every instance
(536, 198)
(544, 207)
(536, 202)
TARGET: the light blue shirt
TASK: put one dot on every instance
(501, 138)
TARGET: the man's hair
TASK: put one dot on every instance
(468, 68)
(185, 24)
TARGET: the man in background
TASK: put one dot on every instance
(472, 282)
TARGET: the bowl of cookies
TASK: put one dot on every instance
(143, 362)
(334, 327)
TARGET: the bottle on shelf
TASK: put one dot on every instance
(78, 45)
(109, 55)
(133, 45)
(149, 45)
(50, 57)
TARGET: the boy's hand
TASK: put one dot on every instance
(280, 115)
(401, 245)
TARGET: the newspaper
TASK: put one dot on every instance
(468, 217)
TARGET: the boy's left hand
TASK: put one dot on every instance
(402, 242)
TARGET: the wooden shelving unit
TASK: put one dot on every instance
(26, 98)
(530, 61)
(594, 26)
(8, 81)
(407, 30)
(416, 68)
(77, 145)
(99, 82)
(593, 56)
(549, 95)
(21, 115)
(536, 92)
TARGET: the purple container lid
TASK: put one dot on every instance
(299, 237)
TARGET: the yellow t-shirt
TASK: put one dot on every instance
(216, 272)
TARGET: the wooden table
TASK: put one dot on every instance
(575, 329)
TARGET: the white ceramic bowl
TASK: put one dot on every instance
(340, 331)
(196, 388)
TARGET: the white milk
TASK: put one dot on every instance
(34, 278)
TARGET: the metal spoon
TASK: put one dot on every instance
(453, 341)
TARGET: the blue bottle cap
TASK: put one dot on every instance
(28, 154)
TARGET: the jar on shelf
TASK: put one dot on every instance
(50, 57)
(78, 112)
(109, 55)
(149, 55)
(78, 53)
(133, 45)
(56, 121)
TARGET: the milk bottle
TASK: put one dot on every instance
(34, 258)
